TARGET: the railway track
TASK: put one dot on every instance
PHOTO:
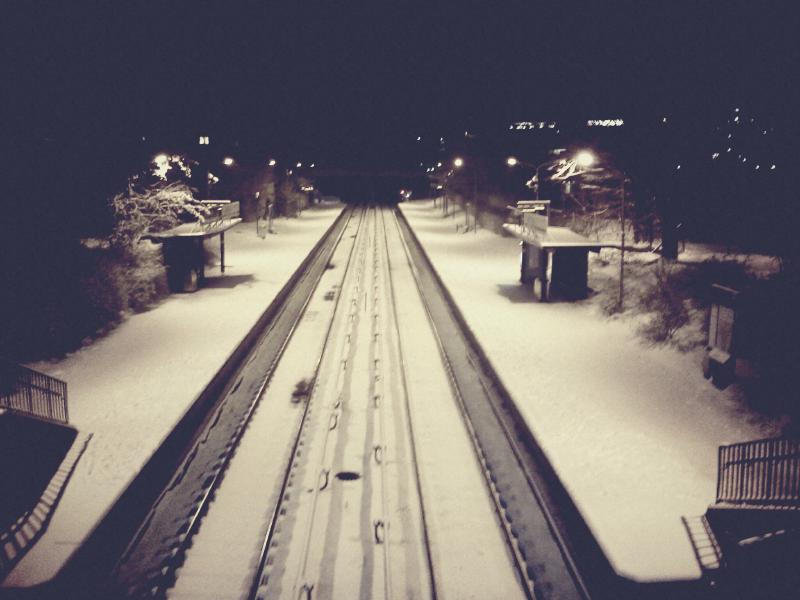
(363, 448)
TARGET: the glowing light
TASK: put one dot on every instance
(227, 161)
(311, 166)
(298, 165)
(585, 158)
(162, 166)
(715, 155)
(664, 119)
(438, 164)
(678, 168)
(458, 162)
(758, 167)
(511, 161)
(772, 167)
(419, 138)
(204, 140)
(272, 162)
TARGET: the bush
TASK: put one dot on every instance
(665, 299)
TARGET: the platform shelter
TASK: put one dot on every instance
(553, 259)
(184, 256)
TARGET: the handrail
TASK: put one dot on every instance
(760, 472)
(31, 392)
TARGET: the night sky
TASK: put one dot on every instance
(344, 79)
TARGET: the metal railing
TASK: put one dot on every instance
(761, 472)
(30, 392)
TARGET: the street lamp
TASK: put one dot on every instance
(458, 162)
(585, 159)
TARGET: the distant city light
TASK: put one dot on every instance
(772, 168)
(161, 158)
(715, 155)
(528, 125)
(227, 161)
(272, 162)
(311, 166)
(458, 162)
(438, 164)
(204, 140)
(298, 165)
(664, 119)
(511, 161)
(607, 122)
(419, 138)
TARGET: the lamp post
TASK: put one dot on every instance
(586, 159)
(458, 162)
(512, 161)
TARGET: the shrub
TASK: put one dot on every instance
(666, 301)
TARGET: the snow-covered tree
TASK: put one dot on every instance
(151, 208)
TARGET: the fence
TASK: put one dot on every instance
(33, 393)
(763, 472)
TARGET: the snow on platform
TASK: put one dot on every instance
(632, 430)
(130, 387)
(554, 237)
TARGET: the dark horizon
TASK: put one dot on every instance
(354, 82)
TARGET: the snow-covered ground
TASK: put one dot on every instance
(631, 429)
(130, 387)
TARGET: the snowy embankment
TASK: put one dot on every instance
(632, 430)
(130, 387)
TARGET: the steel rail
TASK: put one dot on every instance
(533, 588)
(410, 420)
(256, 583)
